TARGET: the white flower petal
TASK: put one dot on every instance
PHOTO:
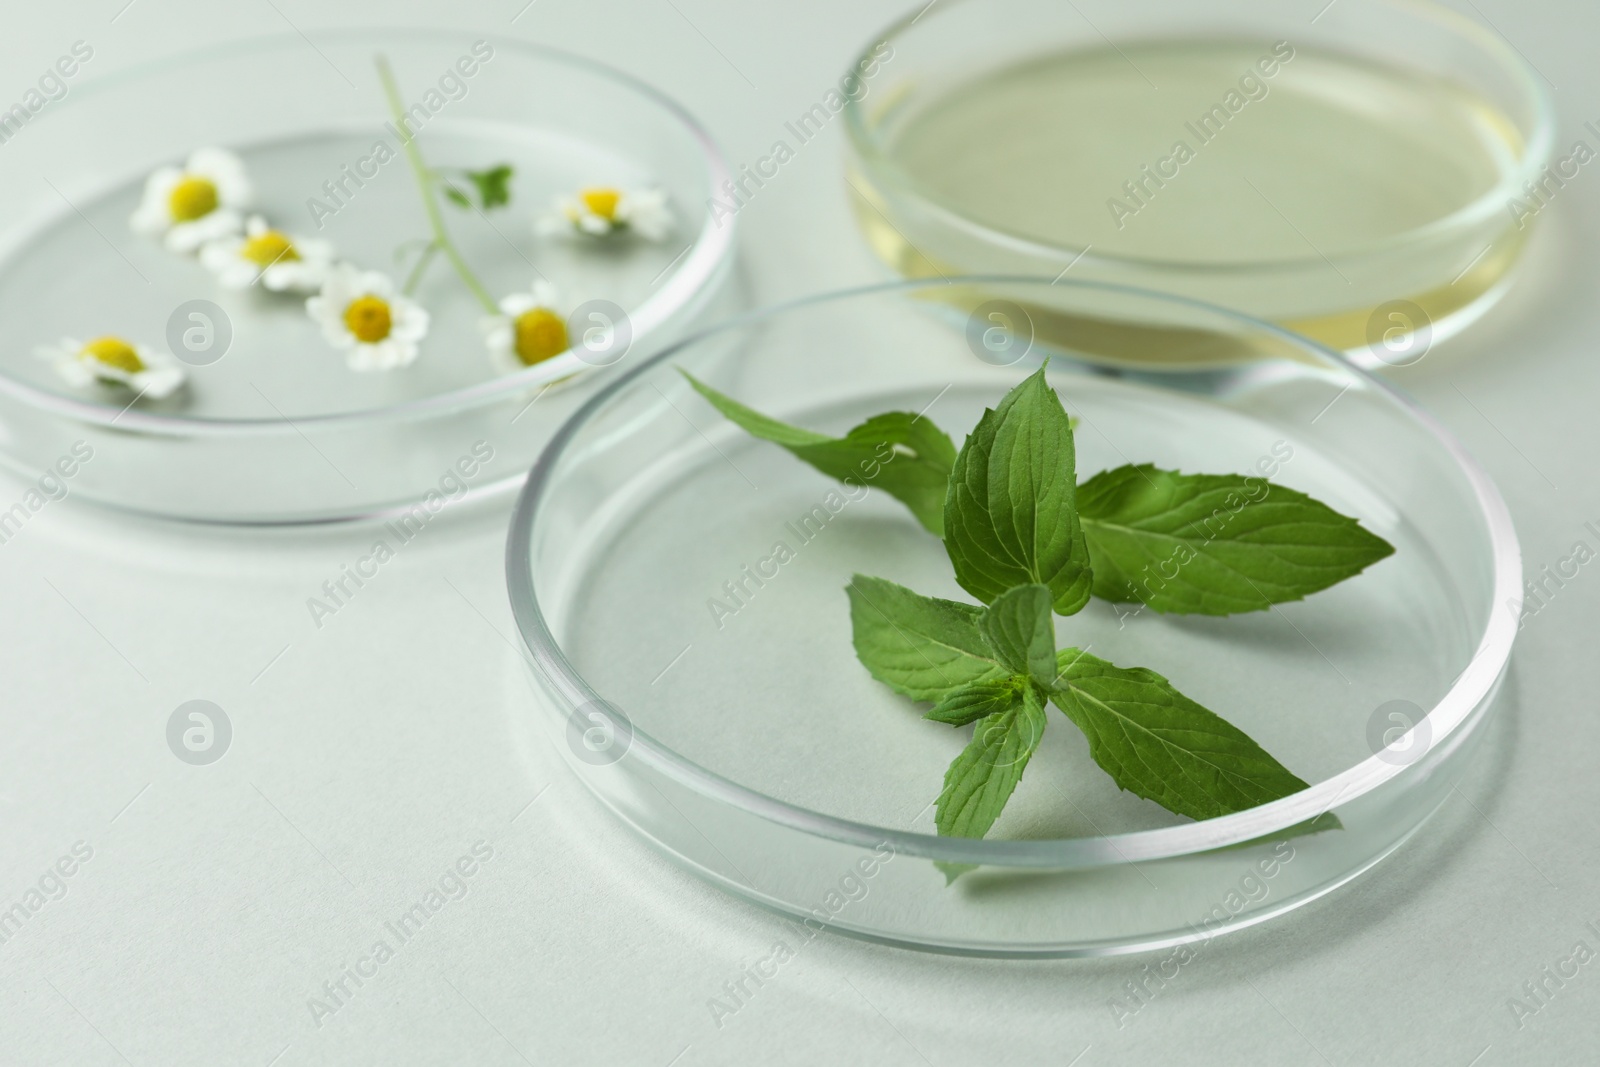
(240, 274)
(499, 331)
(304, 277)
(189, 236)
(343, 284)
(74, 371)
(641, 211)
(313, 248)
(161, 374)
(226, 171)
(375, 284)
(221, 253)
(518, 303)
(159, 382)
(544, 294)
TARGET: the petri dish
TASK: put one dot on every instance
(1366, 177)
(274, 427)
(752, 747)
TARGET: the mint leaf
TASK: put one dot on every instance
(1215, 544)
(1018, 627)
(919, 646)
(974, 702)
(905, 455)
(1158, 744)
(981, 779)
(1010, 517)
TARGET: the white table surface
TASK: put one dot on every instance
(371, 753)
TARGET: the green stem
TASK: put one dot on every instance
(422, 264)
(441, 237)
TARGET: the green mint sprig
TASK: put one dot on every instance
(1201, 544)
(1031, 543)
(983, 666)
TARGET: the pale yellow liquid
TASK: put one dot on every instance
(1327, 158)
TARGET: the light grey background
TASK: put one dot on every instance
(370, 753)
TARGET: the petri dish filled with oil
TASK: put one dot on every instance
(1366, 176)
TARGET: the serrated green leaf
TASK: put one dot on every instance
(1010, 517)
(902, 454)
(1019, 628)
(973, 702)
(1215, 544)
(919, 646)
(982, 778)
(1158, 744)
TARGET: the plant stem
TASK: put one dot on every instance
(441, 237)
(422, 264)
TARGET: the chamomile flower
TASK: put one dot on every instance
(115, 362)
(530, 328)
(199, 202)
(364, 314)
(279, 261)
(602, 210)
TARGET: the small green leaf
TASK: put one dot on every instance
(919, 646)
(1215, 544)
(494, 185)
(982, 778)
(1011, 515)
(971, 703)
(905, 455)
(1158, 744)
(1019, 627)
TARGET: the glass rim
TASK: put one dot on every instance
(1439, 728)
(707, 257)
(1540, 142)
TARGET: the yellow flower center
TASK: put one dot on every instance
(113, 352)
(192, 198)
(269, 248)
(540, 334)
(602, 202)
(369, 319)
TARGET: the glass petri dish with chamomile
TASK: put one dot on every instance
(1365, 175)
(340, 275)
